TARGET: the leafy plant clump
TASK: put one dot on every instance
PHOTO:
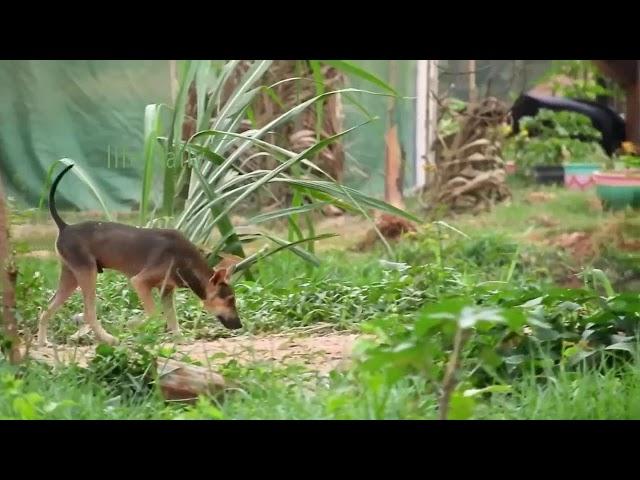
(555, 138)
(583, 80)
(500, 337)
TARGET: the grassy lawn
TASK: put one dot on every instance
(510, 257)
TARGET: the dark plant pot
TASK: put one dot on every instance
(549, 174)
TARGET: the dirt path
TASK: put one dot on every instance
(321, 353)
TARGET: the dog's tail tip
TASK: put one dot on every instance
(52, 203)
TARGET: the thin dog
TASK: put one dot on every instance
(149, 257)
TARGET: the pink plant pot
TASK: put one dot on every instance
(579, 176)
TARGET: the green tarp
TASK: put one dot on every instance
(365, 147)
(92, 112)
(89, 111)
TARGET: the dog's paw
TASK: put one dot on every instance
(135, 322)
(178, 338)
(108, 339)
(83, 332)
(44, 343)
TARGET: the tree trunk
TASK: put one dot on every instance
(8, 274)
(473, 88)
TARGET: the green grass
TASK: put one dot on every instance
(590, 394)
(269, 391)
(608, 394)
(37, 392)
(349, 291)
(570, 210)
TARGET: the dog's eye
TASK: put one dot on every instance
(224, 291)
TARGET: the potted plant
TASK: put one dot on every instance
(559, 148)
(536, 149)
(540, 158)
(620, 188)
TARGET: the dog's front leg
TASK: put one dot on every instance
(168, 306)
(143, 290)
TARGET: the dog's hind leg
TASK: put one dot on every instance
(86, 276)
(66, 286)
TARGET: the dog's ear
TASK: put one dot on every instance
(228, 262)
(230, 269)
(222, 271)
(220, 275)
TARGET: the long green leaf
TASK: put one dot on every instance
(285, 212)
(305, 255)
(173, 162)
(275, 150)
(231, 114)
(328, 191)
(283, 118)
(287, 246)
(316, 69)
(334, 191)
(79, 172)
(203, 72)
(352, 69)
(280, 168)
(331, 192)
(216, 90)
(225, 226)
(208, 155)
(152, 125)
(268, 127)
(255, 72)
(294, 228)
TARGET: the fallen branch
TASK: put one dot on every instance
(179, 381)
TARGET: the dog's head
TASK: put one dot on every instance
(220, 299)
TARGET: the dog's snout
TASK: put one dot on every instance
(230, 323)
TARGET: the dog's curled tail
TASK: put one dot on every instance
(52, 201)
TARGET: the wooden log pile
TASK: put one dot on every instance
(470, 173)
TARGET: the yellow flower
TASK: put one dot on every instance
(629, 148)
(505, 129)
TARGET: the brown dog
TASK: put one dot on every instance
(151, 258)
